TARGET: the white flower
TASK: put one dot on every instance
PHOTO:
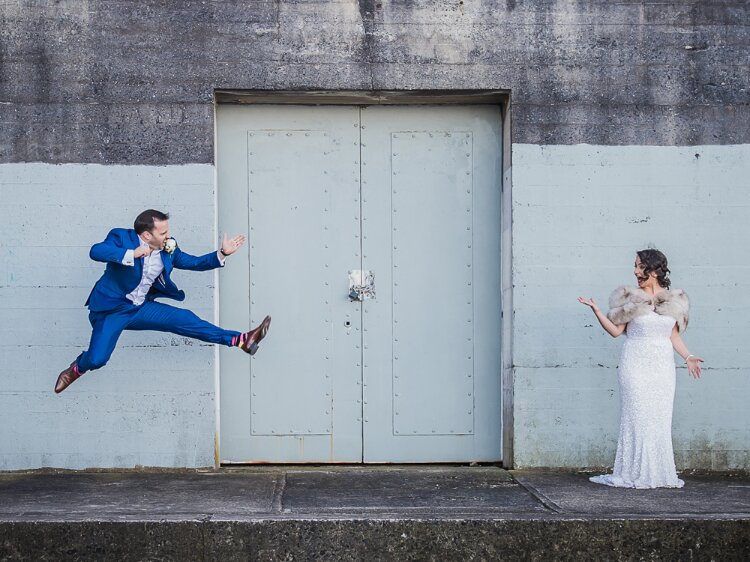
(170, 245)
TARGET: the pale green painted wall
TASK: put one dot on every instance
(579, 214)
(153, 404)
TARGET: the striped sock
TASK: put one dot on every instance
(239, 340)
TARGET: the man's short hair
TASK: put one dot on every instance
(145, 221)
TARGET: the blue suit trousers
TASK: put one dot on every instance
(107, 327)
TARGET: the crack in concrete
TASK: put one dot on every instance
(367, 15)
(203, 521)
(278, 493)
(540, 497)
(202, 531)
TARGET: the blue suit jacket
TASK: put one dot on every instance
(120, 280)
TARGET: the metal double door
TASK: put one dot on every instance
(405, 368)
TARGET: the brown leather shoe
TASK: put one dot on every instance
(66, 378)
(253, 337)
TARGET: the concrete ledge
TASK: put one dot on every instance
(530, 539)
(367, 513)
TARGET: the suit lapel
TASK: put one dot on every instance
(166, 260)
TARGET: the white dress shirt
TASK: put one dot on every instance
(152, 268)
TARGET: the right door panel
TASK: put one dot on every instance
(431, 192)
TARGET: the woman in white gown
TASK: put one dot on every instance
(652, 316)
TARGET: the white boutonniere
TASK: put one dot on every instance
(170, 245)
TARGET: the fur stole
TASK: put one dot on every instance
(628, 302)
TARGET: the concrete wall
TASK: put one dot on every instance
(580, 212)
(153, 404)
(112, 81)
(603, 95)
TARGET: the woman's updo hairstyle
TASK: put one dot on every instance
(656, 262)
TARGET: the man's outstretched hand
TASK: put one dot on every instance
(231, 245)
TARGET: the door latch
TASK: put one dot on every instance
(361, 285)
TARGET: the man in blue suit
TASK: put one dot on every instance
(139, 263)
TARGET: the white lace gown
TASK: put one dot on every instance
(646, 376)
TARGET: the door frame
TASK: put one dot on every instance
(501, 98)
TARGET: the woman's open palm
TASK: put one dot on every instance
(587, 302)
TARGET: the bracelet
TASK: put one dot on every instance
(688, 357)
(221, 251)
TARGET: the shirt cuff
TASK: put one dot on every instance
(222, 259)
(128, 259)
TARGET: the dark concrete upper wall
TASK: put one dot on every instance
(115, 81)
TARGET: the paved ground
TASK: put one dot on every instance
(355, 492)
(366, 513)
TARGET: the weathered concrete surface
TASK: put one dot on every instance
(376, 539)
(388, 513)
(106, 81)
(353, 492)
(703, 496)
(421, 492)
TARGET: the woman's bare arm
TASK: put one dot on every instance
(610, 327)
(693, 362)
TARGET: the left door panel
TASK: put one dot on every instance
(289, 177)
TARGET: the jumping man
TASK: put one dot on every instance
(139, 263)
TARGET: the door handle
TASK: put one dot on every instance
(361, 285)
